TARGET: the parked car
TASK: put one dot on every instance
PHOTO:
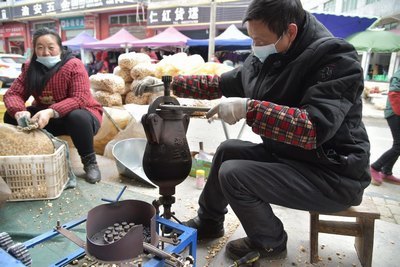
(10, 67)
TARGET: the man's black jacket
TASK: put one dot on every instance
(321, 74)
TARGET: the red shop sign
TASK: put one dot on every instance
(11, 30)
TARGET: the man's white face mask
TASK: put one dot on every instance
(262, 52)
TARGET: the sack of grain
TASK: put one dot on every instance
(142, 70)
(129, 60)
(123, 73)
(131, 98)
(107, 82)
(194, 62)
(15, 142)
(172, 65)
(107, 99)
(128, 88)
(210, 68)
(114, 121)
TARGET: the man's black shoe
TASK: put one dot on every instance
(238, 248)
(206, 228)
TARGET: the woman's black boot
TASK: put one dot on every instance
(93, 174)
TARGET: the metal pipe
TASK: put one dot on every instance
(184, 108)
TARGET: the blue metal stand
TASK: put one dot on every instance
(188, 238)
(6, 260)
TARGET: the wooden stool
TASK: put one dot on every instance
(362, 229)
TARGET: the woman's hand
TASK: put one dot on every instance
(42, 117)
(21, 114)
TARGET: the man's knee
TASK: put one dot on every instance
(228, 147)
(396, 148)
(229, 173)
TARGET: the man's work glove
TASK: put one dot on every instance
(230, 110)
(149, 84)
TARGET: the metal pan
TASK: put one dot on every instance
(128, 155)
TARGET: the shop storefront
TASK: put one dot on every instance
(13, 37)
(99, 18)
(72, 26)
(107, 17)
(194, 21)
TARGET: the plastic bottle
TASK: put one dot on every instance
(200, 179)
(202, 154)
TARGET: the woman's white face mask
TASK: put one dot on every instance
(262, 52)
(49, 61)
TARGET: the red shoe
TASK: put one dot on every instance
(391, 178)
(376, 177)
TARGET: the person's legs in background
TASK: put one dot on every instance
(387, 169)
(382, 168)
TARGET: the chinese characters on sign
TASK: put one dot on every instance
(5, 13)
(29, 10)
(178, 15)
(11, 30)
(74, 5)
(61, 6)
(72, 23)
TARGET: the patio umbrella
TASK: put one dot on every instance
(77, 42)
(120, 39)
(376, 41)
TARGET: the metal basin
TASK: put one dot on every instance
(128, 156)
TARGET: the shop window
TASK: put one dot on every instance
(114, 20)
(123, 19)
(131, 19)
(50, 25)
(390, 26)
(330, 6)
(349, 5)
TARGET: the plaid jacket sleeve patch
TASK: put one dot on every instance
(196, 86)
(281, 123)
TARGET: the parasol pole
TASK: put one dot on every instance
(211, 37)
(366, 63)
(82, 55)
